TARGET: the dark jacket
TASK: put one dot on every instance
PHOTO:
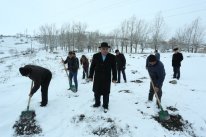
(176, 59)
(101, 71)
(38, 75)
(68, 61)
(157, 73)
(84, 62)
(121, 61)
(74, 64)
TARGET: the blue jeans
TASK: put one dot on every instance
(71, 75)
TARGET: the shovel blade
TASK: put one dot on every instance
(164, 115)
(29, 114)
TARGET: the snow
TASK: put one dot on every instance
(129, 115)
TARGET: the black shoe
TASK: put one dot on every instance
(43, 105)
(105, 107)
(96, 105)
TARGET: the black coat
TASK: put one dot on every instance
(38, 75)
(176, 59)
(101, 71)
(121, 61)
(74, 64)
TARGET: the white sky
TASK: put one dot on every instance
(17, 16)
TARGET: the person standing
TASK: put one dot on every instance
(157, 74)
(121, 62)
(157, 54)
(85, 64)
(41, 77)
(74, 70)
(103, 64)
(176, 63)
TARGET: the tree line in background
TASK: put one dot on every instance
(131, 35)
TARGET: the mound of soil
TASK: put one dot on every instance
(27, 125)
(176, 123)
(109, 131)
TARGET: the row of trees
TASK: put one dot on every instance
(131, 35)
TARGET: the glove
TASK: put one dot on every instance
(30, 94)
(124, 67)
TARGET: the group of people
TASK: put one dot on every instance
(104, 69)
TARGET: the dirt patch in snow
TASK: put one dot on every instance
(27, 125)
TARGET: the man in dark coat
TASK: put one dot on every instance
(157, 73)
(121, 62)
(41, 77)
(103, 63)
(176, 63)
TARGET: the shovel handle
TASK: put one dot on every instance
(65, 69)
(32, 83)
(158, 101)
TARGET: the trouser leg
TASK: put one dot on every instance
(124, 76)
(178, 72)
(75, 80)
(83, 74)
(70, 79)
(106, 101)
(151, 93)
(97, 99)
(44, 89)
(119, 75)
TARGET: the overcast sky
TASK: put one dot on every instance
(17, 16)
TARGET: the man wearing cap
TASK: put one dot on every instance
(157, 74)
(176, 63)
(103, 64)
(41, 77)
(121, 62)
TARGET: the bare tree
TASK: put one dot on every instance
(93, 41)
(123, 35)
(158, 31)
(197, 36)
(141, 34)
(79, 37)
(191, 36)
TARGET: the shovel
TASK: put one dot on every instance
(163, 115)
(28, 114)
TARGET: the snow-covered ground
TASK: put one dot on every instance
(129, 115)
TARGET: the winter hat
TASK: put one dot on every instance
(24, 71)
(70, 52)
(175, 49)
(152, 58)
(116, 50)
(104, 45)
